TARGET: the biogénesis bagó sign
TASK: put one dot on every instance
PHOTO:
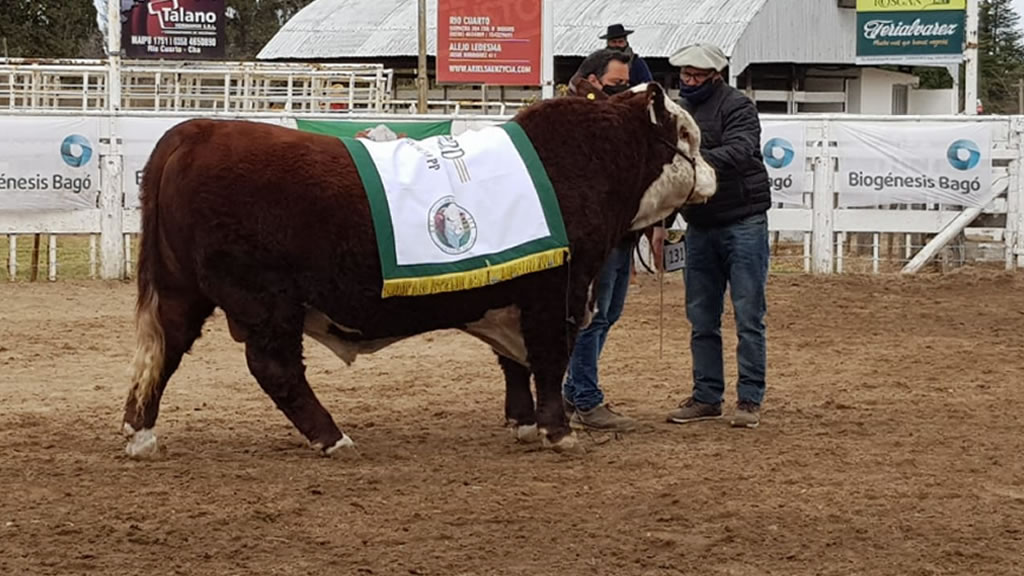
(49, 163)
(932, 162)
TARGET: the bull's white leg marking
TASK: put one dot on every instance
(141, 443)
(526, 433)
(569, 444)
(500, 329)
(344, 446)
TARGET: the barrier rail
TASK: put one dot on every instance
(812, 225)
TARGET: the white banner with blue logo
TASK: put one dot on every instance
(783, 147)
(49, 163)
(921, 163)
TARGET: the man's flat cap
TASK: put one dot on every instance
(703, 56)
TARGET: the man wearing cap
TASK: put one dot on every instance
(602, 74)
(615, 39)
(726, 240)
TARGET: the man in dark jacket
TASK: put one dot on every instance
(602, 74)
(616, 39)
(726, 240)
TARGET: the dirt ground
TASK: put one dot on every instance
(891, 443)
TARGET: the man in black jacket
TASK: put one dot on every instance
(726, 240)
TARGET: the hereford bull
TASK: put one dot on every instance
(273, 226)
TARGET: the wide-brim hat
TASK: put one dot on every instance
(702, 56)
(616, 31)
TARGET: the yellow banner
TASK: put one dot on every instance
(909, 5)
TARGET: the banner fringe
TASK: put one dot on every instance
(475, 278)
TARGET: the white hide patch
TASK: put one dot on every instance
(677, 178)
(343, 447)
(316, 326)
(141, 444)
(526, 434)
(500, 329)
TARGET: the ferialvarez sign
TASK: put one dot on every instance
(925, 37)
(909, 5)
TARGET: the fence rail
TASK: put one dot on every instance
(83, 85)
(812, 233)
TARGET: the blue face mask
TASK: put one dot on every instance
(697, 94)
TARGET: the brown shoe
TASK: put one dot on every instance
(692, 411)
(748, 415)
(603, 418)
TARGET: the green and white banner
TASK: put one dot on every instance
(459, 212)
(375, 130)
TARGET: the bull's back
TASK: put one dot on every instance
(280, 198)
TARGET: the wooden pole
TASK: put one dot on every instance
(1020, 96)
(421, 76)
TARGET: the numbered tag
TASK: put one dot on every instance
(675, 255)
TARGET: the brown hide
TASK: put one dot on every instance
(267, 222)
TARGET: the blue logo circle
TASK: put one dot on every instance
(958, 149)
(71, 158)
(769, 152)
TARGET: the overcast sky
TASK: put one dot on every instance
(1018, 7)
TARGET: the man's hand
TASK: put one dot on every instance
(657, 240)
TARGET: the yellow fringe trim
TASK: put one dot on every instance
(475, 278)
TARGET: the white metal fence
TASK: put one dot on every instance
(813, 235)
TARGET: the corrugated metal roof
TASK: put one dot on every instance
(380, 28)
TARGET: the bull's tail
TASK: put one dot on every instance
(148, 364)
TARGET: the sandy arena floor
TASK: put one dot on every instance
(891, 444)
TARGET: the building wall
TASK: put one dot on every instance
(798, 31)
(932, 101)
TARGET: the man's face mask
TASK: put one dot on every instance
(614, 89)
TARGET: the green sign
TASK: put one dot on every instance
(926, 37)
(374, 128)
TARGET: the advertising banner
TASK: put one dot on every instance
(927, 162)
(173, 29)
(492, 42)
(909, 5)
(49, 164)
(139, 136)
(784, 150)
(933, 37)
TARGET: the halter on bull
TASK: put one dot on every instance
(273, 226)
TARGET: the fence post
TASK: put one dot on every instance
(1015, 199)
(822, 246)
(112, 205)
(1011, 231)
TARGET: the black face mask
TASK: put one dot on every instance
(613, 90)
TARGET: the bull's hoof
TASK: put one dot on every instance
(526, 433)
(344, 448)
(567, 444)
(142, 444)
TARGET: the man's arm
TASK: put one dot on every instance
(741, 136)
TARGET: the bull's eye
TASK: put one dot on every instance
(684, 135)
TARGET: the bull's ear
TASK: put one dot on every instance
(655, 101)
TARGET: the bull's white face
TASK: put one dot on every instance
(673, 187)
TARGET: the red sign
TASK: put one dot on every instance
(492, 42)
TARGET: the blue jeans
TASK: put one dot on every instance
(612, 284)
(736, 255)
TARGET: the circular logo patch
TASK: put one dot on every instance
(452, 228)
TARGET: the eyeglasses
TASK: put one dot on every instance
(698, 77)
